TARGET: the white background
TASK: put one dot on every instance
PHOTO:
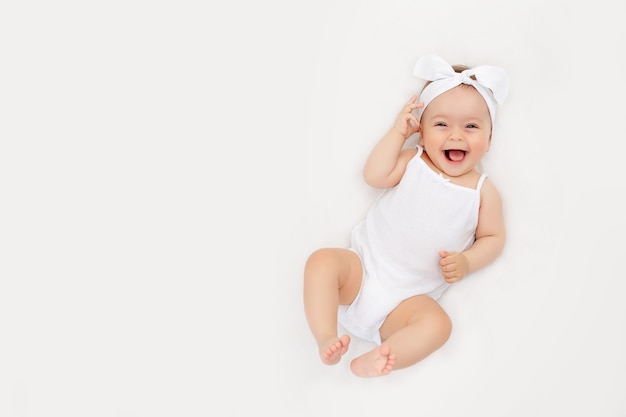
(167, 167)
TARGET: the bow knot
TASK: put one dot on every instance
(465, 77)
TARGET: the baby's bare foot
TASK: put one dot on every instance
(333, 352)
(377, 362)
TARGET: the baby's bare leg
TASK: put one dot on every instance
(411, 332)
(331, 277)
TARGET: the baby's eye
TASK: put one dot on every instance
(472, 126)
(440, 124)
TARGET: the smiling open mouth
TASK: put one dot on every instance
(455, 155)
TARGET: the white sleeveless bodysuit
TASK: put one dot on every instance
(399, 242)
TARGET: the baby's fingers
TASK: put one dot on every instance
(412, 105)
(450, 268)
(413, 121)
(446, 259)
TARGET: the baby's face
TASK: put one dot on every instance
(456, 130)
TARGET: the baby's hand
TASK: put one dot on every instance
(406, 122)
(454, 266)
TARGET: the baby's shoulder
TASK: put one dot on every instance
(489, 194)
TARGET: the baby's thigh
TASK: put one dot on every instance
(420, 308)
(343, 265)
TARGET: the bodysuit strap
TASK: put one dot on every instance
(419, 150)
(480, 181)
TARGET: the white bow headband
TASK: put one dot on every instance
(491, 82)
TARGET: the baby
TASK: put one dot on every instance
(437, 220)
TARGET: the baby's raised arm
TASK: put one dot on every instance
(387, 161)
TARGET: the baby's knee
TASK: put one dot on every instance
(444, 325)
(319, 259)
(439, 323)
(319, 256)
